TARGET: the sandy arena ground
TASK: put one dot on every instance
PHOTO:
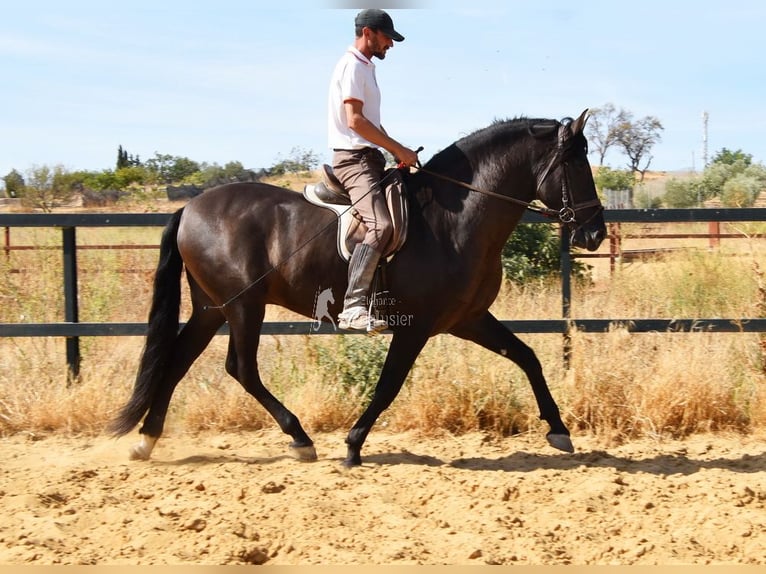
(238, 499)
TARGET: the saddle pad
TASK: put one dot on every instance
(345, 214)
(351, 228)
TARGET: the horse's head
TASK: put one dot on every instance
(565, 183)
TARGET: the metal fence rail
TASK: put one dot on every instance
(71, 328)
(307, 327)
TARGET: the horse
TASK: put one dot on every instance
(246, 245)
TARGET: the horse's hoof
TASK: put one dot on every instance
(303, 453)
(139, 452)
(353, 459)
(560, 441)
(142, 450)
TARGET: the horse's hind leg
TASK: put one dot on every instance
(242, 364)
(491, 334)
(191, 341)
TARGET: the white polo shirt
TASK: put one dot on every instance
(352, 79)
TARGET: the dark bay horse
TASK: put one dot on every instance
(246, 245)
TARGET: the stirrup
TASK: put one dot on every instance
(358, 319)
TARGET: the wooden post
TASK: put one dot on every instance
(714, 230)
(7, 243)
(615, 245)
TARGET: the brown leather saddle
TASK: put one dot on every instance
(330, 194)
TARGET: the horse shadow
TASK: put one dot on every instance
(660, 465)
(521, 461)
(205, 459)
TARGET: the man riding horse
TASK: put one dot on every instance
(356, 136)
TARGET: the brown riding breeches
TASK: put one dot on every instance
(360, 172)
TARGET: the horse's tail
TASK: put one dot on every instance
(161, 333)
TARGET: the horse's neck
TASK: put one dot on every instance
(500, 159)
(468, 219)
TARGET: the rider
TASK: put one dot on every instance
(356, 136)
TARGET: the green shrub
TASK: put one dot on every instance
(683, 193)
(740, 191)
(615, 179)
(354, 362)
(533, 251)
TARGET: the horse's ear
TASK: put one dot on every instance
(579, 124)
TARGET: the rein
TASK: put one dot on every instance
(547, 212)
(567, 213)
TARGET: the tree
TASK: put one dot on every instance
(616, 185)
(728, 157)
(741, 191)
(683, 192)
(642, 199)
(14, 184)
(725, 167)
(122, 158)
(130, 175)
(48, 187)
(300, 160)
(171, 169)
(637, 138)
(601, 129)
(616, 179)
(126, 160)
(730, 176)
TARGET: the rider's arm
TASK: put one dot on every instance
(370, 132)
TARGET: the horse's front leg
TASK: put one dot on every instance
(406, 345)
(490, 333)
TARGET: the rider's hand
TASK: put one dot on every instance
(407, 157)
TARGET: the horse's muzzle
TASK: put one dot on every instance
(589, 237)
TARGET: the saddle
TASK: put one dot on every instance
(330, 194)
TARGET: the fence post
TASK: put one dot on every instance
(71, 310)
(615, 245)
(714, 230)
(566, 291)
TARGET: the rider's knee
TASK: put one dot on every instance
(382, 234)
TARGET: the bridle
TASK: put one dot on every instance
(568, 212)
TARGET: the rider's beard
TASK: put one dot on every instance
(378, 50)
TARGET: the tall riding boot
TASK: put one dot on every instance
(357, 304)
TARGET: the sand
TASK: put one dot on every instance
(239, 499)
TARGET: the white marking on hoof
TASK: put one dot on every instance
(303, 453)
(560, 441)
(143, 450)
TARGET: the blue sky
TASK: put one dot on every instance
(247, 81)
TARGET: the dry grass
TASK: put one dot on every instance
(619, 386)
(660, 385)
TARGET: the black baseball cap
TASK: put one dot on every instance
(378, 20)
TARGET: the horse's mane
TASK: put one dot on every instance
(479, 144)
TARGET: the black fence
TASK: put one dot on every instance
(72, 329)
